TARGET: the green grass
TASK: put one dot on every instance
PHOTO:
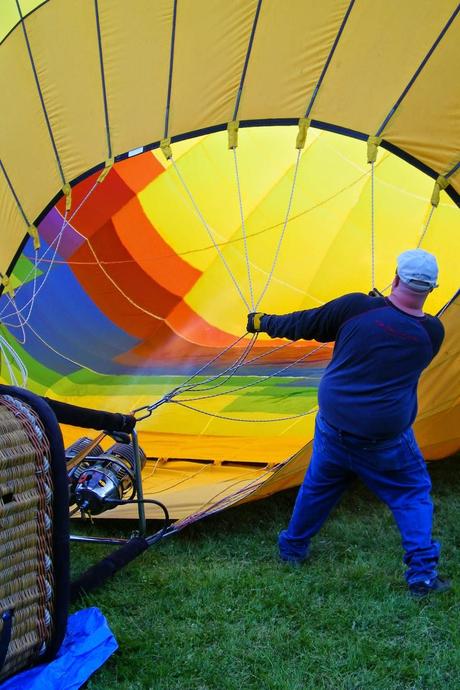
(213, 609)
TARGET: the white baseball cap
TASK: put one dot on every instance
(418, 269)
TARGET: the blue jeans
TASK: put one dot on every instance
(394, 470)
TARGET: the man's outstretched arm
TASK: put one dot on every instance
(321, 324)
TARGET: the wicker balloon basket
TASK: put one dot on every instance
(34, 558)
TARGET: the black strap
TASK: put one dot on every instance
(5, 637)
(91, 419)
(108, 566)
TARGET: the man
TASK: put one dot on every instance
(367, 403)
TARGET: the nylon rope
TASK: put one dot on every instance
(372, 226)
(243, 229)
(214, 359)
(169, 398)
(240, 419)
(185, 386)
(225, 375)
(210, 508)
(34, 293)
(283, 231)
(25, 322)
(18, 311)
(180, 481)
(225, 243)
(241, 360)
(65, 223)
(209, 231)
(105, 272)
(7, 350)
(261, 378)
(422, 236)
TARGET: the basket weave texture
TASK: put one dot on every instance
(26, 519)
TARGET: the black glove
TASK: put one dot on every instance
(375, 293)
(128, 423)
(122, 434)
(254, 322)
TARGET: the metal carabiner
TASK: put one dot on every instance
(148, 412)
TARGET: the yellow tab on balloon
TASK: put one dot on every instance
(6, 283)
(107, 168)
(232, 129)
(67, 191)
(304, 124)
(441, 183)
(33, 232)
(372, 145)
(165, 146)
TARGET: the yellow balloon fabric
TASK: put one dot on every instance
(147, 278)
(145, 273)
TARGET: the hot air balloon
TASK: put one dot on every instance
(167, 167)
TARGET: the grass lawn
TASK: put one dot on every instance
(213, 609)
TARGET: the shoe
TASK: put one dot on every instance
(423, 588)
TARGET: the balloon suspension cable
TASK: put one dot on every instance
(23, 321)
(223, 376)
(373, 226)
(430, 216)
(283, 231)
(8, 351)
(212, 507)
(243, 229)
(209, 231)
(146, 410)
(242, 419)
(259, 379)
(53, 245)
(422, 237)
(34, 293)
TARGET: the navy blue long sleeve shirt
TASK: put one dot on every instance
(370, 385)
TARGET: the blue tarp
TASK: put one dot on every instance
(88, 643)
